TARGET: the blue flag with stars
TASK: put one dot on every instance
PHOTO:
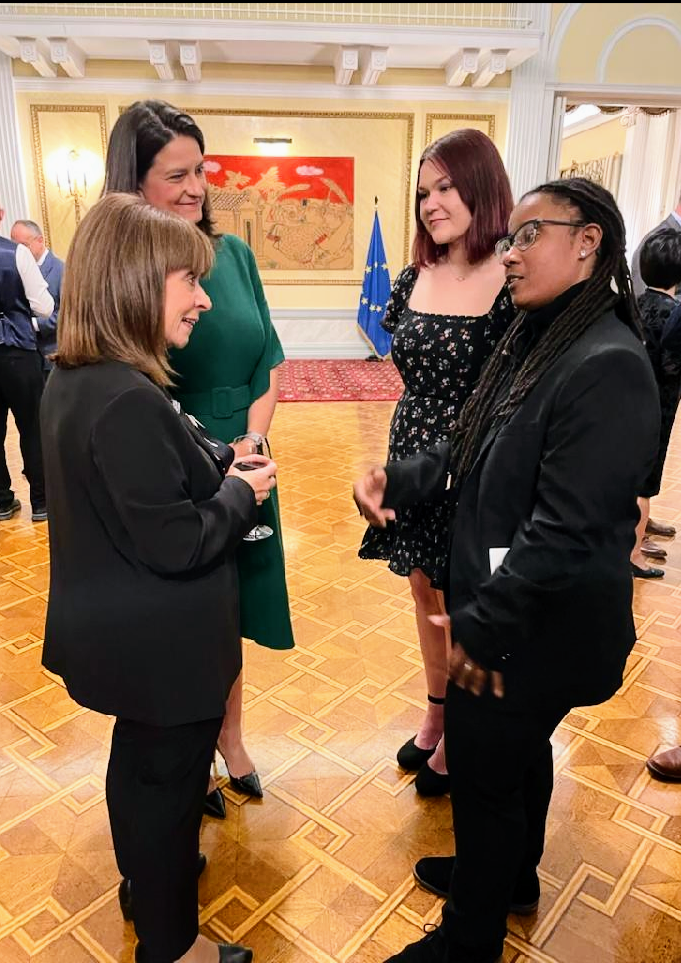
(375, 294)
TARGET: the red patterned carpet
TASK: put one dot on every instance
(344, 380)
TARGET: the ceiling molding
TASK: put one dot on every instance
(383, 35)
(279, 89)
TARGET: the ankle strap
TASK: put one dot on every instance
(436, 701)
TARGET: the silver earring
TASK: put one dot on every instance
(582, 253)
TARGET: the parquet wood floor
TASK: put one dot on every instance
(320, 870)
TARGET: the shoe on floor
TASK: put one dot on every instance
(434, 873)
(651, 549)
(431, 783)
(39, 515)
(11, 510)
(249, 784)
(411, 757)
(651, 572)
(228, 953)
(666, 766)
(431, 948)
(214, 805)
(660, 529)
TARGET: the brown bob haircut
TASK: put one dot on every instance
(473, 164)
(113, 293)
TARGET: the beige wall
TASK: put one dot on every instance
(602, 141)
(648, 55)
(385, 138)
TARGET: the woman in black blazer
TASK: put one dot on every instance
(144, 524)
(543, 471)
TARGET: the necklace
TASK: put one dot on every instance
(457, 277)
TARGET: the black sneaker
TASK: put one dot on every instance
(434, 873)
(10, 510)
(39, 515)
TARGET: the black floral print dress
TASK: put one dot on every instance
(440, 359)
(661, 320)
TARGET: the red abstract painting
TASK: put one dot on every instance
(296, 213)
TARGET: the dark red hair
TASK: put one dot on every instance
(477, 171)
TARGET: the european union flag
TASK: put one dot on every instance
(375, 294)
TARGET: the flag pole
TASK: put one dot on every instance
(374, 356)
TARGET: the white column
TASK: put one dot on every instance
(12, 183)
(531, 114)
(652, 144)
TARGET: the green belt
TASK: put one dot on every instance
(218, 402)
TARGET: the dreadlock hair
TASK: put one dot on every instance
(592, 204)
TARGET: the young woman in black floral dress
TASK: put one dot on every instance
(446, 312)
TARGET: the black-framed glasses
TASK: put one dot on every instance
(527, 234)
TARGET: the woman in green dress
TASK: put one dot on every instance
(227, 378)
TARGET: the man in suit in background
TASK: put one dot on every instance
(30, 234)
(23, 295)
(672, 222)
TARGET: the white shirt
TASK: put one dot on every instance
(35, 285)
(41, 259)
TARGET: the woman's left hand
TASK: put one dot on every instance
(464, 671)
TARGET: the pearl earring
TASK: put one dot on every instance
(582, 253)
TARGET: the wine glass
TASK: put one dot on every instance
(260, 531)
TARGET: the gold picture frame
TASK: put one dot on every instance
(489, 119)
(38, 160)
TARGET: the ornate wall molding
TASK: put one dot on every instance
(489, 119)
(36, 142)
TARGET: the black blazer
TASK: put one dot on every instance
(142, 620)
(540, 585)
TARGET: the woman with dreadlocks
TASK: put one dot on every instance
(544, 467)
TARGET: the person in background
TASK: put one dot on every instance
(145, 519)
(660, 262)
(23, 294)
(670, 223)
(227, 377)
(51, 267)
(544, 468)
(447, 310)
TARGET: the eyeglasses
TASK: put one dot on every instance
(527, 234)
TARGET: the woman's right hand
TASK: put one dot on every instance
(368, 493)
(261, 479)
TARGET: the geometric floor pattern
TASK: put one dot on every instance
(320, 870)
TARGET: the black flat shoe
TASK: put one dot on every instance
(639, 572)
(249, 784)
(228, 953)
(125, 890)
(214, 805)
(431, 783)
(411, 757)
(434, 873)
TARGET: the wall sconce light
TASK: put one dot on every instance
(74, 173)
(273, 146)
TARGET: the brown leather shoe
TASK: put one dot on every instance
(666, 765)
(651, 549)
(659, 528)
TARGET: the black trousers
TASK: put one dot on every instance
(21, 388)
(501, 777)
(155, 789)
